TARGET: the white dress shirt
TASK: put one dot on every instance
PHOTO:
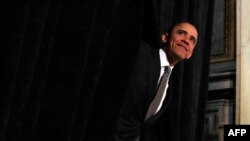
(164, 62)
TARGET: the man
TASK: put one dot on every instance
(143, 105)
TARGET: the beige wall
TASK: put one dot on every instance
(243, 62)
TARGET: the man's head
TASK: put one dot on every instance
(180, 42)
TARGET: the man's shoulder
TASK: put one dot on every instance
(145, 44)
(146, 47)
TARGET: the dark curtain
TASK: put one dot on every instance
(66, 64)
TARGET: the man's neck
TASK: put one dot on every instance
(171, 58)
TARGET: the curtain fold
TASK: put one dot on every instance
(66, 66)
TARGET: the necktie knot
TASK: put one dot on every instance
(167, 69)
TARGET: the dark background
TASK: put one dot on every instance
(66, 64)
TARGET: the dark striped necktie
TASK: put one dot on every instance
(159, 94)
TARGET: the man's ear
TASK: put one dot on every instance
(164, 37)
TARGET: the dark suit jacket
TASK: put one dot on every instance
(140, 93)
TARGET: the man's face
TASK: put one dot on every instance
(182, 41)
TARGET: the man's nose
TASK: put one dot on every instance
(185, 41)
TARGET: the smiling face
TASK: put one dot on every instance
(180, 43)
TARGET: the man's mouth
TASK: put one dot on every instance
(182, 45)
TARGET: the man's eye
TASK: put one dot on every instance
(181, 32)
(193, 40)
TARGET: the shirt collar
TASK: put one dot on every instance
(163, 59)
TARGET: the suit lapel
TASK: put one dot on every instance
(154, 73)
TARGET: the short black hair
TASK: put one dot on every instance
(170, 29)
